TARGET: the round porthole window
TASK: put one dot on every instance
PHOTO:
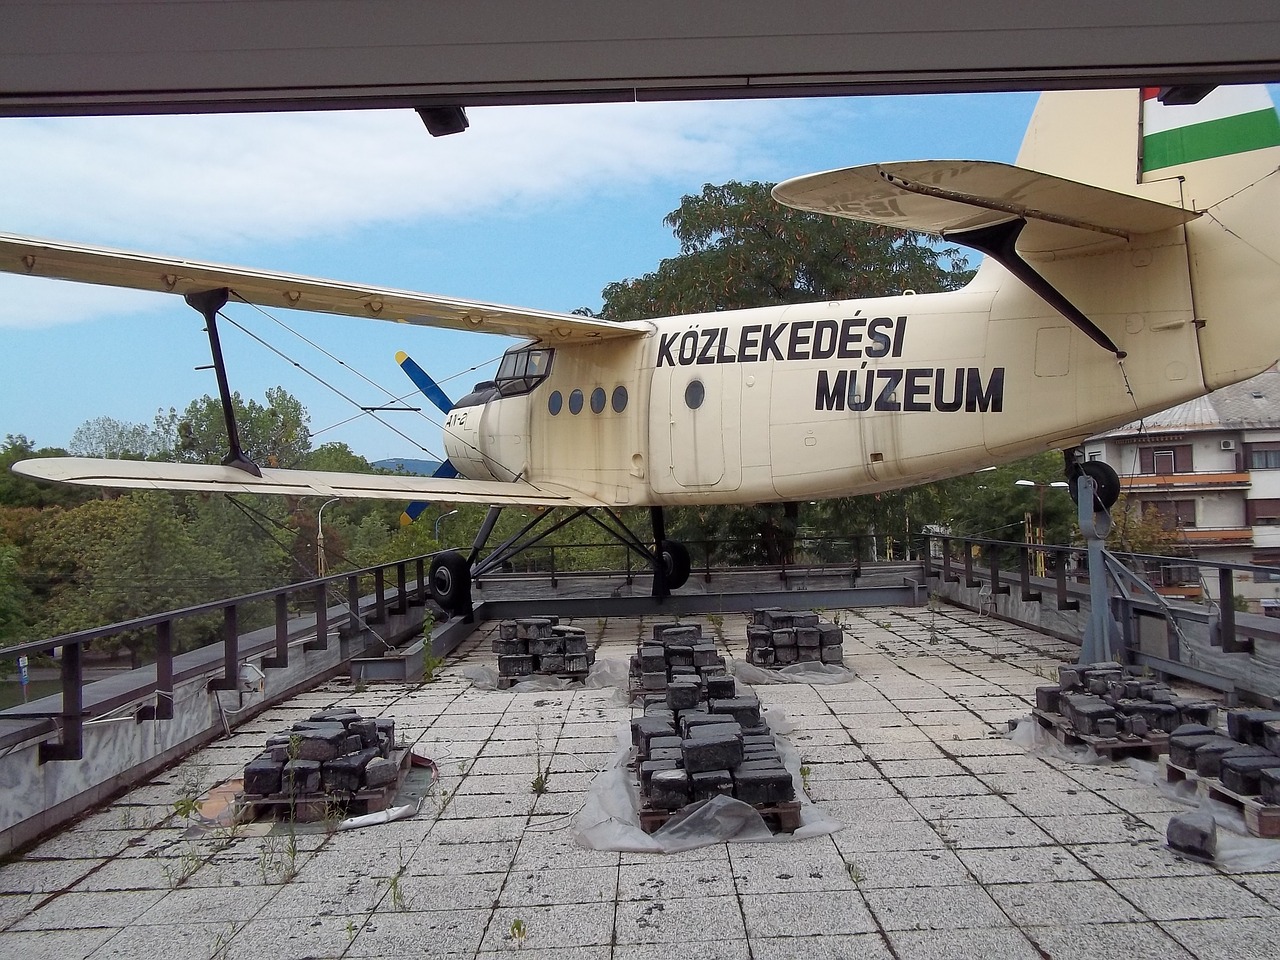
(597, 400)
(694, 394)
(619, 399)
(555, 402)
(575, 402)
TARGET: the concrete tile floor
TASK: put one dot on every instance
(959, 844)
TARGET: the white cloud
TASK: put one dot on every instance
(216, 186)
(281, 176)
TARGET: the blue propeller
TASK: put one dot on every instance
(431, 390)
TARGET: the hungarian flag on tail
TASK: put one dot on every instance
(1228, 120)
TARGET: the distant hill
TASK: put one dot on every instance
(423, 468)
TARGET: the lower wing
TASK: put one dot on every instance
(207, 478)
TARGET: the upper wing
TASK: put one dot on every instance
(117, 268)
(952, 196)
(203, 478)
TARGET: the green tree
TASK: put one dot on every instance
(275, 435)
(108, 437)
(738, 249)
(18, 491)
(114, 560)
(15, 599)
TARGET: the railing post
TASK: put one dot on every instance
(379, 597)
(402, 586)
(552, 548)
(993, 566)
(1024, 573)
(71, 745)
(321, 640)
(1227, 614)
(353, 602)
(230, 678)
(948, 575)
(164, 670)
(281, 657)
(927, 557)
(1064, 602)
(420, 570)
(969, 579)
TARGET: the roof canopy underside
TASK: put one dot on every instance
(142, 56)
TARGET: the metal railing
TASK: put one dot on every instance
(811, 555)
(1003, 566)
(394, 587)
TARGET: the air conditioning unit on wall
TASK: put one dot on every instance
(1228, 444)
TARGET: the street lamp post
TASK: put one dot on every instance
(1038, 538)
(436, 534)
(320, 563)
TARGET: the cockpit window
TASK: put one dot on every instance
(523, 369)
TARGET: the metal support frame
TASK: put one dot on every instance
(1000, 243)
(208, 303)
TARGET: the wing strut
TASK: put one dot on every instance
(998, 241)
(208, 303)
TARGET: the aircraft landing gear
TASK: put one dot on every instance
(671, 564)
(1106, 483)
(674, 557)
(450, 582)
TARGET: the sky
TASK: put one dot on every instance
(532, 206)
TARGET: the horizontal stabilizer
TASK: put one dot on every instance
(955, 196)
(209, 478)
(117, 268)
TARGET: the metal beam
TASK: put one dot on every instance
(87, 57)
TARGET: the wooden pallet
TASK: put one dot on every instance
(781, 817)
(315, 807)
(505, 683)
(1119, 747)
(1262, 820)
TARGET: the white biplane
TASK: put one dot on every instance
(1132, 262)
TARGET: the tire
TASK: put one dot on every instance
(450, 581)
(1105, 481)
(675, 560)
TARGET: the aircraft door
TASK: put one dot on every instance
(687, 417)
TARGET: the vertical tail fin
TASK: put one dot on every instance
(1228, 121)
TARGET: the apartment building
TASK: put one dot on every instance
(1211, 468)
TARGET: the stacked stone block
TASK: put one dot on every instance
(1246, 759)
(1100, 699)
(324, 760)
(700, 738)
(776, 638)
(541, 646)
(675, 651)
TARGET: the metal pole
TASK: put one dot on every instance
(1094, 525)
(321, 566)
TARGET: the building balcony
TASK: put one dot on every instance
(1187, 482)
(1218, 536)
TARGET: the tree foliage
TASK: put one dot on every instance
(739, 248)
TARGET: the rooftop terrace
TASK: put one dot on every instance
(958, 842)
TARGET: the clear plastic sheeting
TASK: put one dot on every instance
(486, 678)
(814, 673)
(610, 817)
(1237, 848)
(1029, 735)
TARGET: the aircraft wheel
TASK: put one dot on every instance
(450, 581)
(1105, 482)
(675, 558)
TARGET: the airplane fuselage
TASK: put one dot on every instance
(829, 399)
